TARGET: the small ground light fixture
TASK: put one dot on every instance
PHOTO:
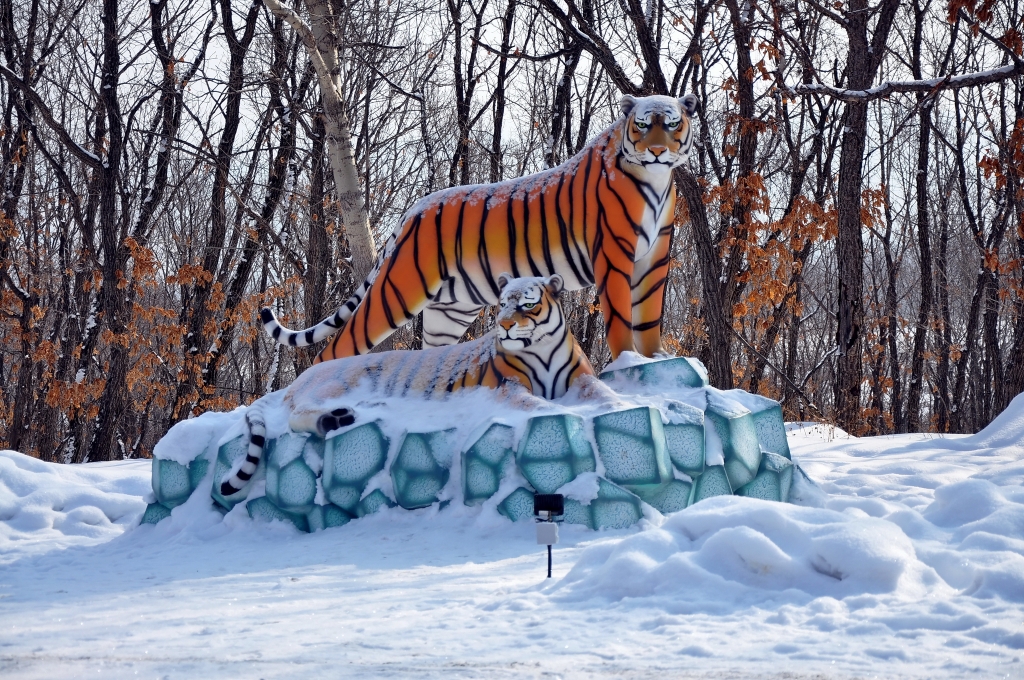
(547, 508)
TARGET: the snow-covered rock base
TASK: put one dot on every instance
(651, 434)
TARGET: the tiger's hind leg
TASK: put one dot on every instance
(444, 323)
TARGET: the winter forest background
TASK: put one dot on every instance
(850, 232)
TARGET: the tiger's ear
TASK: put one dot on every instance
(689, 104)
(555, 285)
(503, 280)
(626, 105)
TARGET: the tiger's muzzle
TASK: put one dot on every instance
(516, 334)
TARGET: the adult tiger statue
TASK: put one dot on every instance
(530, 345)
(604, 216)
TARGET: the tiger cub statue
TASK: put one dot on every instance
(604, 216)
(530, 345)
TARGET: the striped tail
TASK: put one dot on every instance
(257, 439)
(330, 325)
(313, 334)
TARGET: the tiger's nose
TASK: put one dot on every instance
(658, 150)
(507, 323)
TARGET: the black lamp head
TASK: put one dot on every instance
(551, 503)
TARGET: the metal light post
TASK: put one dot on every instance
(546, 508)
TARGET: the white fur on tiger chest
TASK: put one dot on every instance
(657, 213)
(554, 372)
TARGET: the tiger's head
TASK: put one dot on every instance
(530, 314)
(657, 135)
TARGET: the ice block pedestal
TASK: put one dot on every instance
(553, 451)
(351, 459)
(653, 432)
(293, 461)
(420, 470)
(483, 463)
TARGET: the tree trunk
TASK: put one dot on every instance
(864, 57)
(321, 42)
(116, 312)
(499, 91)
(719, 356)
(944, 333)
(196, 294)
(913, 419)
(891, 330)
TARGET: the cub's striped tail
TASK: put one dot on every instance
(330, 325)
(257, 439)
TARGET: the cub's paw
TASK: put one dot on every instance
(339, 417)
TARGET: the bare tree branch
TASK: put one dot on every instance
(925, 86)
(80, 152)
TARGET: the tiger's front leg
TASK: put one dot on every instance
(650, 277)
(616, 305)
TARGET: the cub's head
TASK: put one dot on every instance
(657, 134)
(531, 314)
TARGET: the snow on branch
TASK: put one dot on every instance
(77, 149)
(930, 85)
(305, 34)
(15, 288)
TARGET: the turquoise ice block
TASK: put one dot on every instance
(517, 504)
(417, 471)
(714, 482)
(326, 516)
(374, 501)
(155, 512)
(669, 373)
(631, 445)
(735, 428)
(261, 509)
(773, 480)
(351, 459)
(553, 451)
(291, 482)
(483, 463)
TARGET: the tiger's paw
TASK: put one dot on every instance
(338, 418)
(590, 388)
(515, 395)
(315, 421)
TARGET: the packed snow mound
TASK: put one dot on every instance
(1007, 429)
(735, 551)
(46, 503)
(910, 565)
(949, 524)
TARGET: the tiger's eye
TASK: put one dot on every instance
(529, 305)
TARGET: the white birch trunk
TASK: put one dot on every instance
(321, 40)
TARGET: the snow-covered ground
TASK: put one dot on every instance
(913, 568)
